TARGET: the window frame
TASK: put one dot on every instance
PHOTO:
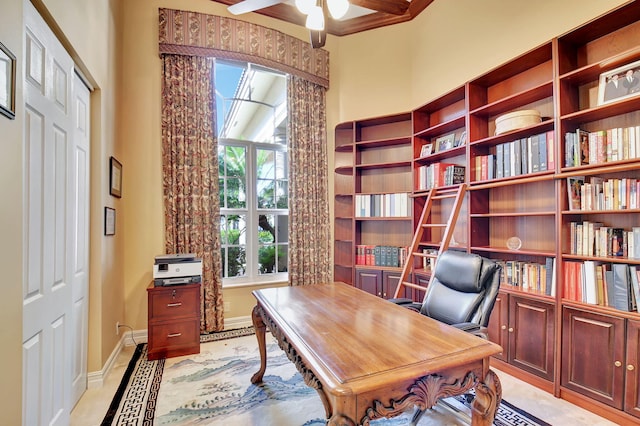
(252, 212)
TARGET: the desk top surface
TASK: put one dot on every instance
(346, 335)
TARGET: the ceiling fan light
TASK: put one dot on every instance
(315, 19)
(338, 8)
(305, 6)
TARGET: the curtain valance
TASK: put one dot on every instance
(198, 34)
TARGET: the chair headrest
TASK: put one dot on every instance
(460, 271)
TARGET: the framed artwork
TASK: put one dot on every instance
(574, 188)
(115, 178)
(7, 83)
(426, 149)
(619, 83)
(445, 142)
(462, 140)
(109, 221)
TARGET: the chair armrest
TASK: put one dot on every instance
(407, 303)
(467, 326)
(400, 301)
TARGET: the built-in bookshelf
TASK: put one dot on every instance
(556, 202)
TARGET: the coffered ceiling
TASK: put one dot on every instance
(363, 15)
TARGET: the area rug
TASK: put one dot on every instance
(214, 388)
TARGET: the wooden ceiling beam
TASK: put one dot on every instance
(393, 7)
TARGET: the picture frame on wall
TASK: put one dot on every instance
(115, 178)
(109, 221)
(619, 83)
(7, 82)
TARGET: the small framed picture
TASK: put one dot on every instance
(462, 140)
(109, 221)
(426, 149)
(7, 83)
(445, 142)
(115, 178)
(619, 83)
(574, 189)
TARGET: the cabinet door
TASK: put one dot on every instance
(593, 355)
(370, 281)
(632, 394)
(498, 324)
(390, 280)
(532, 335)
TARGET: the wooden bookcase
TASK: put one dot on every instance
(550, 337)
(372, 167)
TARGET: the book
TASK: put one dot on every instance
(621, 288)
(635, 286)
(542, 151)
(551, 162)
(583, 146)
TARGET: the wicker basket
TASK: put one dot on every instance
(517, 120)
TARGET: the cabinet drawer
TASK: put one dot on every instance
(173, 334)
(175, 302)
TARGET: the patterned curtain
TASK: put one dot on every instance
(190, 174)
(309, 238)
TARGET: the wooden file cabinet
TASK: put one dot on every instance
(174, 320)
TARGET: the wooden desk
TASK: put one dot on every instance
(368, 358)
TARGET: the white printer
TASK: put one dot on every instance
(174, 269)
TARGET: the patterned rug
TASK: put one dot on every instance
(214, 388)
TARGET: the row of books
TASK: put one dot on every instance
(529, 276)
(383, 205)
(615, 285)
(519, 157)
(380, 255)
(601, 146)
(440, 174)
(596, 193)
(594, 239)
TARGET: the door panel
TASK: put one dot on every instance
(632, 398)
(531, 336)
(79, 219)
(48, 204)
(593, 356)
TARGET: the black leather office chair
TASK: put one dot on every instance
(462, 294)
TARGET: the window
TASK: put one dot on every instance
(253, 172)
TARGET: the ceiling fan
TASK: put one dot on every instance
(317, 11)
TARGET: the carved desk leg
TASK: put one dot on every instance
(260, 328)
(488, 397)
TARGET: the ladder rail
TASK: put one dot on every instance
(435, 194)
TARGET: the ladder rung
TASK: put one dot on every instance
(412, 285)
(420, 254)
(443, 196)
(434, 225)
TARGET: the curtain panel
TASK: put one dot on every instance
(309, 238)
(198, 34)
(190, 175)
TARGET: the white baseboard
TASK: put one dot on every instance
(237, 322)
(95, 379)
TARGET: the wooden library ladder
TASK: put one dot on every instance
(416, 256)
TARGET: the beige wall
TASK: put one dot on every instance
(377, 72)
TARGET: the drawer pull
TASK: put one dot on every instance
(172, 305)
(174, 335)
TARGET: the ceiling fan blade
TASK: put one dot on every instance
(247, 6)
(393, 7)
(318, 38)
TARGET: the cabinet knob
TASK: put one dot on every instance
(504, 327)
(630, 367)
(510, 329)
(617, 363)
(384, 295)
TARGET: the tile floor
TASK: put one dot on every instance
(93, 405)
